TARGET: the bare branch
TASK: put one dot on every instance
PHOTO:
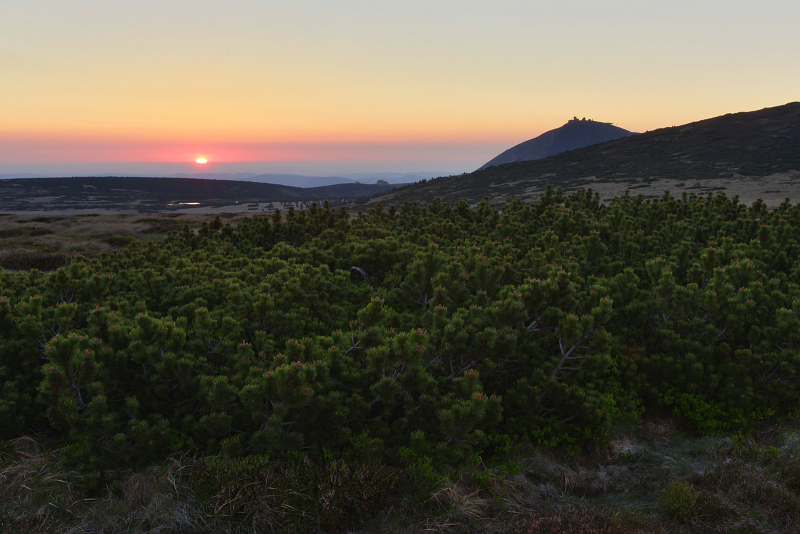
(721, 334)
(75, 389)
(464, 368)
(356, 344)
(534, 326)
(362, 272)
(566, 355)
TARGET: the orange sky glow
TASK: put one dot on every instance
(412, 84)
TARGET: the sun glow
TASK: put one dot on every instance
(201, 161)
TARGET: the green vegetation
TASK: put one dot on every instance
(678, 500)
(304, 369)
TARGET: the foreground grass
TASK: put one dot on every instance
(654, 480)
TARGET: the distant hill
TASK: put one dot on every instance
(291, 180)
(159, 194)
(577, 133)
(721, 153)
(241, 176)
(297, 180)
(306, 181)
(391, 177)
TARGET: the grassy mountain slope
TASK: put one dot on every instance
(729, 147)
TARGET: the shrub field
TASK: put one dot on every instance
(368, 352)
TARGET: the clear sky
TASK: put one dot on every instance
(365, 85)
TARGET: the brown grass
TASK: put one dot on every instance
(588, 521)
(46, 242)
(37, 495)
(657, 428)
(468, 504)
(740, 485)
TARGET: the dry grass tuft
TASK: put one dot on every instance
(468, 504)
(657, 428)
(624, 446)
(24, 446)
(586, 480)
(139, 489)
(36, 495)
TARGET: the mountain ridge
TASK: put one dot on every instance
(706, 155)
(576, 133)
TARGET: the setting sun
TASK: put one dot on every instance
(201, 161)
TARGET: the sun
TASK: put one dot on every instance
(201, 161)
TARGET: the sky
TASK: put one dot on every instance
(327, 87)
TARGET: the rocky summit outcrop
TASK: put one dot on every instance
(577, 133)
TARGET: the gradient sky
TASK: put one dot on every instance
(148, 86)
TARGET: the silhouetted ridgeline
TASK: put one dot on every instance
(735, 147)
(577, 133)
